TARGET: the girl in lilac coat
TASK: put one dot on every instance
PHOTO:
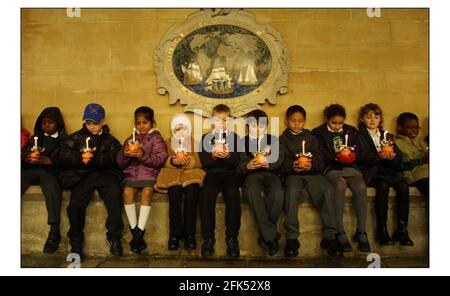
(141, 157)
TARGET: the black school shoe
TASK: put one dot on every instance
(137, 243)
(190, 243)
(331, 246)
(291, 249)
(115, 246)
(53, 240)
(401, 235)
(383, 238)
(208, 247)
(271, 247)
(173, 244)
(343, 246)
(77, 249)
(363, 242)
(233, 251)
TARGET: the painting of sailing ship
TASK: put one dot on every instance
(222, 61)
(192, 74)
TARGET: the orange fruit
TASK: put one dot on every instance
(303, 160)
(259, 158)
(134, 147)
(35, 154)
(179, 156)
(346, 152)
(86, 157)
(387, 149)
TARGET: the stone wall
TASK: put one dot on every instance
(337, 55)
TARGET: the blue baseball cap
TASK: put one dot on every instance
(94, 112)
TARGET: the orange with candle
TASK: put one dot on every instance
(347, 154)
(259, 156)
(386, 144)
(305, 157)
(133, 145)
(35, 152)
(87, 155)
(180, 154)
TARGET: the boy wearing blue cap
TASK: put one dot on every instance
(89, 158)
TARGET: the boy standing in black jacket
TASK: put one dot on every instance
(89, 155)
(303, 178)
(219, 157)
(39, 167)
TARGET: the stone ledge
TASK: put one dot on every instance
(34, 193)
(35, 229)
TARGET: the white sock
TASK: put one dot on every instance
(143, 216)
(130, 210)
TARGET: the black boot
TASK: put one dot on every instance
(208, 247)
(363, 242)
(233, 251)
(115, 246)
(53, 240)
(173, 244)
(383, 238)
(291, 249)
(401, 235)
(190, 243)
(137, 244)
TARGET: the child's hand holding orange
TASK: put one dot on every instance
(387, 155)
(33, 157)
(255, 164)
(181, 158)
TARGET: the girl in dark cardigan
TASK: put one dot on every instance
(381, 166)
(340, 150)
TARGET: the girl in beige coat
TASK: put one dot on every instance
(181, 178)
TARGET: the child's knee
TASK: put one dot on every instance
(340, 184)
(128, 195)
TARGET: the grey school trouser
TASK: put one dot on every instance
(266, 210)
(317, 187)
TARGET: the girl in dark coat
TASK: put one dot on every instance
(340, 149)
(381, 166)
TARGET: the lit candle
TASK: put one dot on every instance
(385, 135)
(181, 144)
(220, 135)
(258, 140)
(134, 135)
(346, 140)
(303, 147)
(87, 143)
(35, 143)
